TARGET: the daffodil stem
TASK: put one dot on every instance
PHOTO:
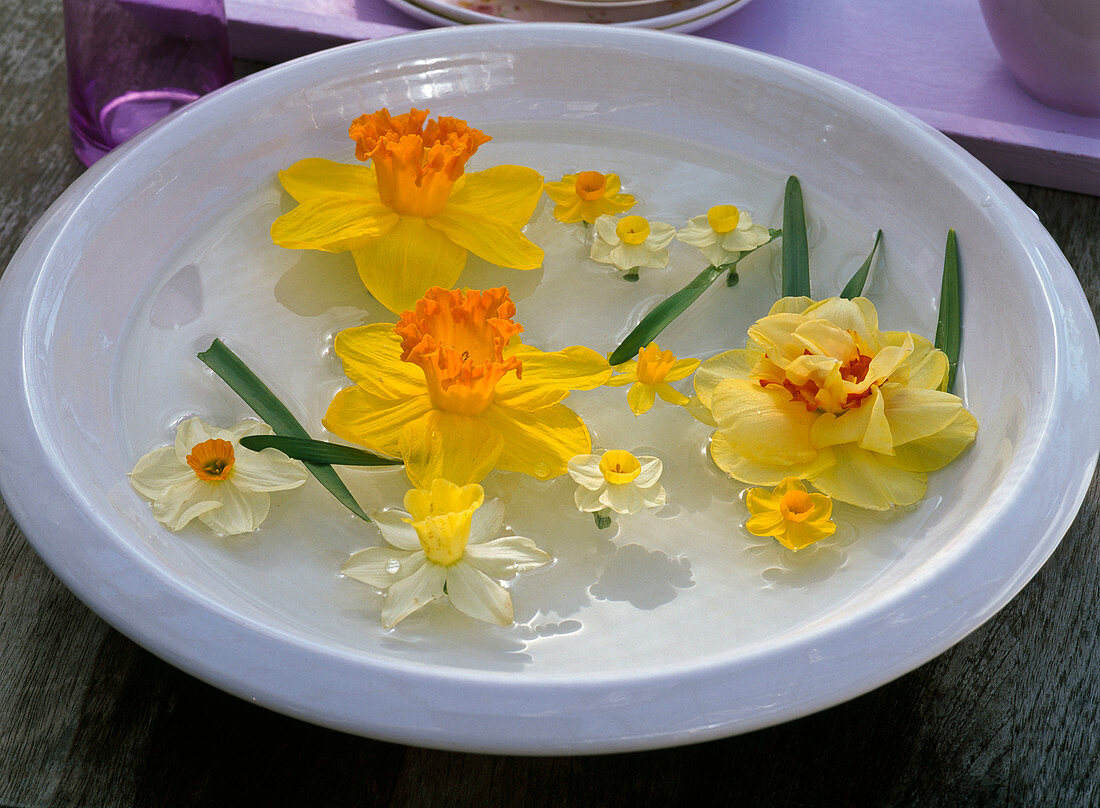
(949, 325)
(854, 287)
(631, 275)
(661, 315)
(796, 254)
(603, 518)
(241, 380)
(732, 277)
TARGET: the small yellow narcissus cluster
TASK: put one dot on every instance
(790, 514)
(446, 544)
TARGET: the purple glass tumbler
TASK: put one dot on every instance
(131, 62)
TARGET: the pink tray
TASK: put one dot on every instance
(933, 58)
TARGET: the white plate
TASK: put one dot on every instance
(682, 16)
(681, 628)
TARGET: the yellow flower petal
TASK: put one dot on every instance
(372, 359)
(763, 423)
(371, 421)
(315, 178)
(936, 451)
(627, 374)
(739, 467)
(548, 376)
(640, 397)
(731, 364)
(503, 192)
(447, 446)
(866, 425)
(928, 366)
(333, 224)
(538, 443)
(866, 480)
(407, 261)
(917, 413)
(496, 240)
(672, 395)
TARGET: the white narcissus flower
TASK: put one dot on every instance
(631, 242)
(208, 475)
(723, 233)
(617, 480)
(445, 545)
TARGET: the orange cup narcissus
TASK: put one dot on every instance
(453, 392)
(411, 217)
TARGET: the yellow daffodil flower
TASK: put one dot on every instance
(631, 242)
(447, 544)
(208, 475)
(649, 376)
(723, 233)
(452, 391)
(822, 394)
(618, 480)
(411, 216)
(587, 195)
(790, 514)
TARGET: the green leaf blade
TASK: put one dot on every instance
(796, 252)
(949, 324)
(854, 287)
(316, 451)
(257, 395)
(662, 314)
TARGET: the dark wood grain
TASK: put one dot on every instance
(1009, 716)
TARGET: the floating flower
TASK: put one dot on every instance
(411, 216)
(446, 545)
(617, 480)
(207, 474)
(631, 242)
(822, 394)
(452, 391)
(586, 196)
(790, 514)
(649, 376)
(723, 233)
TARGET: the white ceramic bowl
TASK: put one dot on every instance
(678, 629)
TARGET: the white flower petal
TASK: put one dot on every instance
(660, 235)
(601, 252)
(506, 556)
(158, 471)
(622, 498)
(487, 522)
(585, 469)
(184, 502)
(650, 471)
(588, 500)
(241, 511)
(249, 426)
(697, 233)
(190, 434)
(415, 592)
(395, 530)
(717, 255)
(382, 567)
(606, 230)
(269, 470)
(474, 593)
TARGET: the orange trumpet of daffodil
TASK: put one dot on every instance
(411, 216)
(453, 392)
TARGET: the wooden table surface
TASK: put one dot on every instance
(1009, 716)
